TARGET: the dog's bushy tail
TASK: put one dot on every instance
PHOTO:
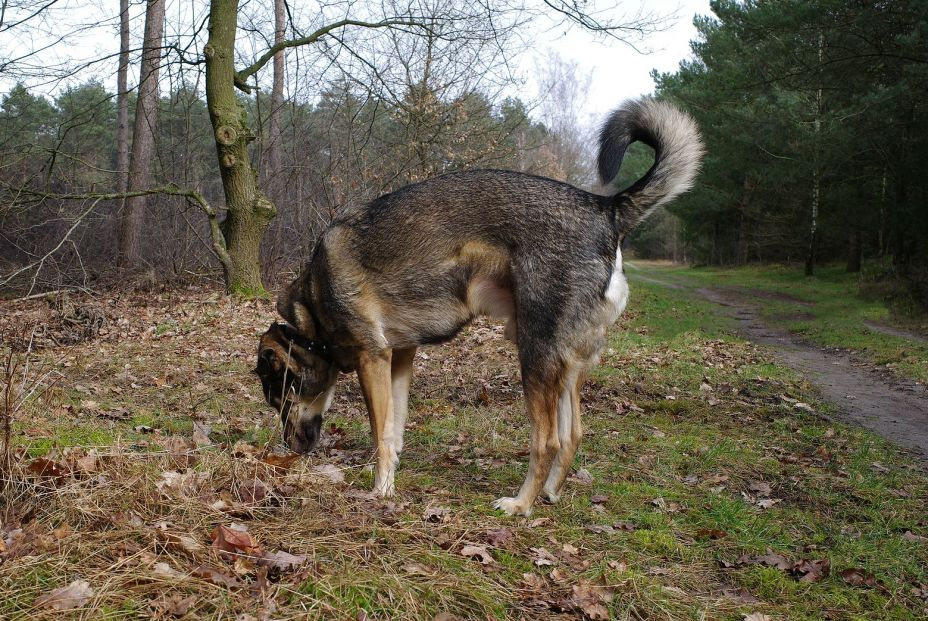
(678, 151)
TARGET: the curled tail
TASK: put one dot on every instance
(678, 150)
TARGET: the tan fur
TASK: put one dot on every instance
(374, 375)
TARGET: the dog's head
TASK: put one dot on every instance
(298, 378)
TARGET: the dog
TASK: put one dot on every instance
(415, 266)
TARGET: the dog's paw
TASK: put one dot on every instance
(385, 490)
(511, 506)
(549, 496)
(384, 487)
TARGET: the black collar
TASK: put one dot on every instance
(313, 346)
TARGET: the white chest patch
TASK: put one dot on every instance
(617, 291)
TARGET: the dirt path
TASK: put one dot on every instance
(863, 394)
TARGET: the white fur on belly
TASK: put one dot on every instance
(617, 291)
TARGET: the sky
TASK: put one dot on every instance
(618, 71)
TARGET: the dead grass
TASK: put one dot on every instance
(154, 435)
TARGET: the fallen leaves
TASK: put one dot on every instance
(806, 570)
(591, 600)
(283, 561)
(47, 468)
(234, 539)
(173, 605)
(479, 553)
(69, 597)
(543, 557)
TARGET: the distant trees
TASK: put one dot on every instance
(809, 104)
(377, 95)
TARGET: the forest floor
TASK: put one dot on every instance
(147, 480)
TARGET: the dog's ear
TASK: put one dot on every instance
(268, 362)
(291, 304)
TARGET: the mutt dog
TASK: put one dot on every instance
(414, 266)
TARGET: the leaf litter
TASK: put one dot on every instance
(208, 507)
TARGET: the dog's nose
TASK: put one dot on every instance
(305, 435)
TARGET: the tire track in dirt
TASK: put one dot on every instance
(863, 394)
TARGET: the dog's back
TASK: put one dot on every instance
(414, 266)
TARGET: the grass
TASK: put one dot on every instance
(826, 309)
(681, 420)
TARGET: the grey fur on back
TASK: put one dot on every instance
(678, 151)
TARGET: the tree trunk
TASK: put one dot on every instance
(272, 171)
(816, 173)
(854, 250)
(143, 137)
(249, 210)
(122, 101)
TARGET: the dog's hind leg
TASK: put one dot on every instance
(541, 398)
(569, 432)
(374, 377)
(401, 377)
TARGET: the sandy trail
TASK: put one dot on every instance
(862, 393)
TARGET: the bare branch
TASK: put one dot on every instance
(241, 77)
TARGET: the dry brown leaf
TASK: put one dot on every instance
(499, 538)
(211, 574)
(533, 582)
(284, 561)
(181, 543)
(174, 605)
(478, 552)
(756, 616)
(590, 599)
(761, 488)
(42, 467)
(710, 533)
(582, 476)
(437, 515)
(253, 492)
(858, 577)
(280, 462)
(811, 570)
(234, 539)
(569, 549)
(417, 569)
(69, 597)
(164, 570)
(543, 557)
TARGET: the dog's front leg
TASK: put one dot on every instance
(374, 377)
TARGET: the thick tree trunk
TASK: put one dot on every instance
(143, 137)
(122, 101)
(249, 210)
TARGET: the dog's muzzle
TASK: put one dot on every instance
(304, 432)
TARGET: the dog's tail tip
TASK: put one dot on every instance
(678, 151)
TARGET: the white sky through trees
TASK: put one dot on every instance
(79, 32)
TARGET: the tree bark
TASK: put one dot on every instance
(249, 210)
(122, 102)
(854, 251)
(143, 136)
(272, 170)
(816, 173)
